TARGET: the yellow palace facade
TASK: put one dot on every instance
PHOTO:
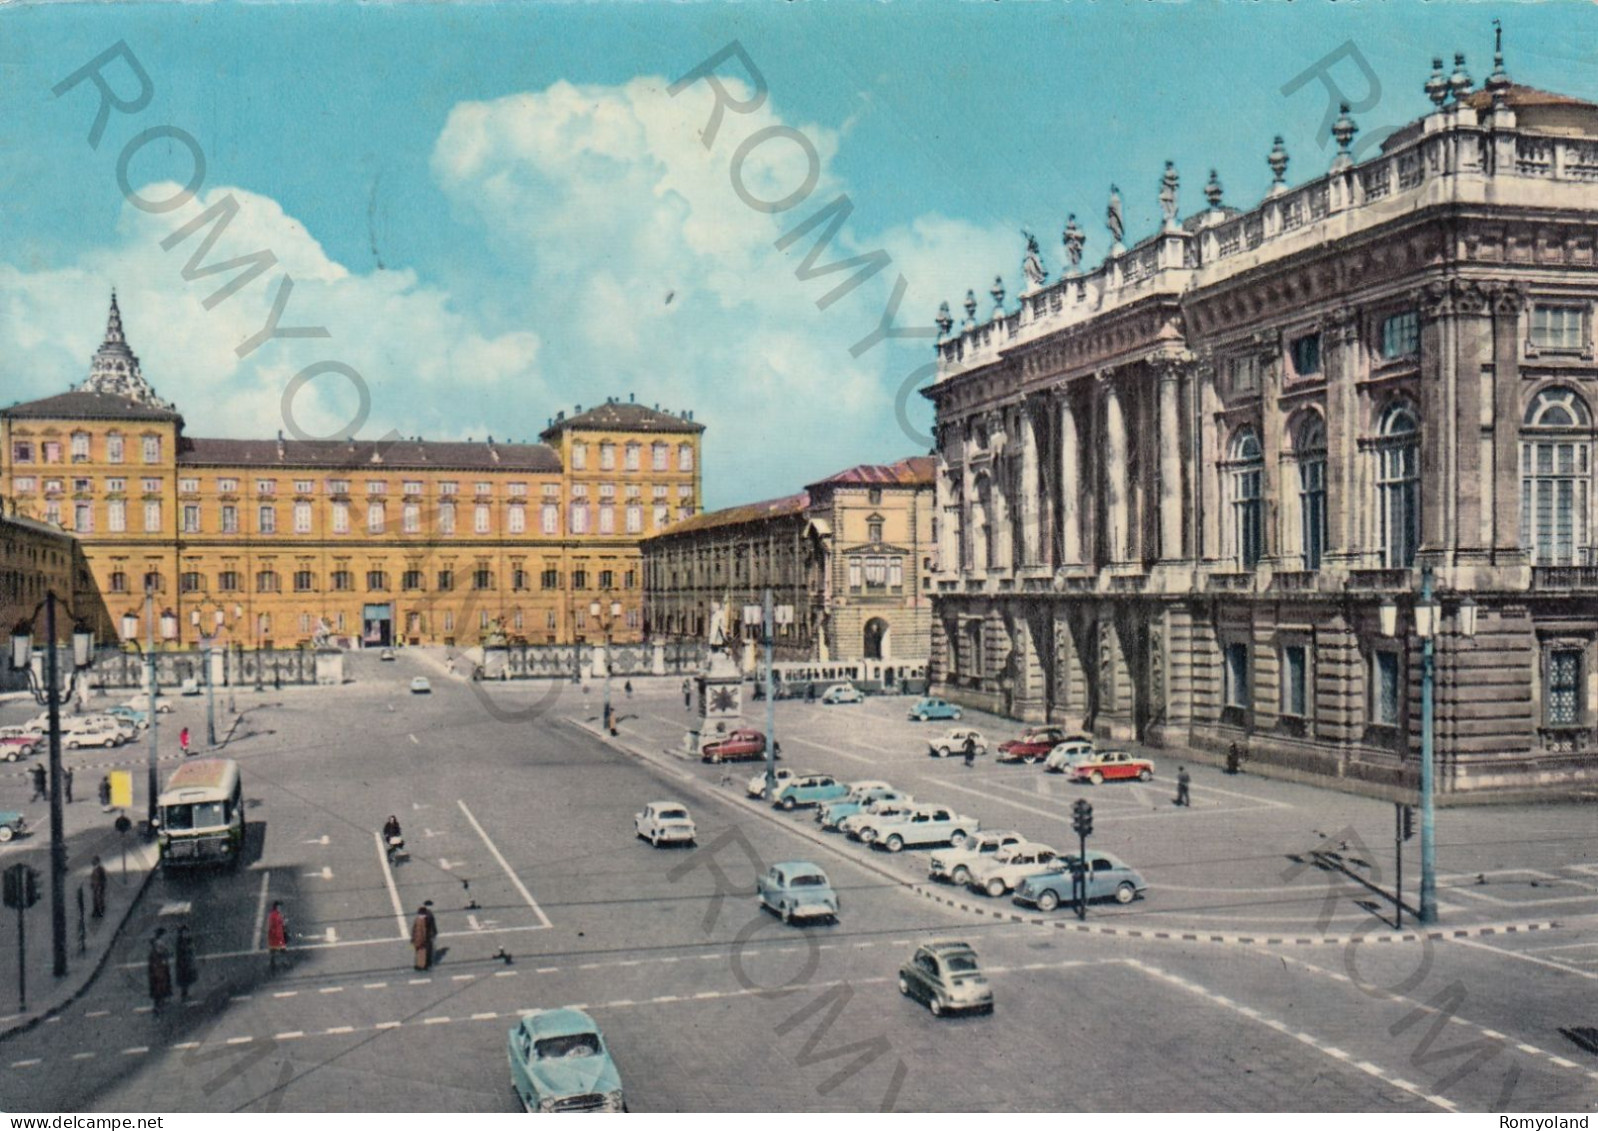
(281, 542)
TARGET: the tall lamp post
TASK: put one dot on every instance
(50, 696)
(767, 616)
(1427, 625)
(605, 614)
(130, 633)
(207, 644)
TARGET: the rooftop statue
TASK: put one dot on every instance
(1032, 264)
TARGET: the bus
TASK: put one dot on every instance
(201, 814)
(793, 678)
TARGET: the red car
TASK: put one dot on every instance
(1033, 746)
(743, 745)
(1111, 765)
(17, 746)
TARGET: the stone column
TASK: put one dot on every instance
(1507, 305)
(1207, 525)
(1168, 375)
(1116, 493)
(1029, 490)
(1070, 455)
(1344, 503)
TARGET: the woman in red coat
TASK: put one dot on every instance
(277, 934)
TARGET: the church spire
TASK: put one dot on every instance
(113, 325)
(115, 367)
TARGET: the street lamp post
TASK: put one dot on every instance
(50, 697)
(207, 644)
(605, 616)
(768, 616)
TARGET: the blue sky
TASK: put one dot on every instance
(498, 211)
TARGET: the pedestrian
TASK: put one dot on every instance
(1234, 758)
(432, 931)
(183, 741)
(810, 693)
(277, 935)
(1183, 780)
(38, 782)
(687, 695)
(187, 969)
(66, 783)
(105, 793)
(628, 687)
(97, 888)
(422, 937)
(970, 751)
(160, 970)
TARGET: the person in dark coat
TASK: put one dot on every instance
(39, 792)
(188, 969)
(66, 784)
(628, 687)
(97, 888)
(970, 751)
(424, 929)
(160, 970)
(1234, 757)
(1183, 781)
(105, 793)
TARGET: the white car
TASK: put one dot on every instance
(842, 693)
(953, 742)
(190, 686)
(858, 825)
(1068, 755)
(664, 822)
(757, 784)
(93, 736)
(141, 702)
(1004, 871)
(955, 864)
(420, 686)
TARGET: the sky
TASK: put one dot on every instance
(489, 213)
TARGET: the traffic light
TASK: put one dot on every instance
(1082, 819)
(21, 888)
(1408, 821)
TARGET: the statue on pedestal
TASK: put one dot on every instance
(1032, 264)
(1113, 220)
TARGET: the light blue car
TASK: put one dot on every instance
(795, 890)
(811, 789)
(831, 814)
(559, 1063)
(925, 709)
(1108, 877)
(132, 714)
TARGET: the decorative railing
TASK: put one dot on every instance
(1295, 581)
(1380, 579)
(1129, 582)
(1564, 577)
(1565, 739)
(1230, 582)
(117, 670)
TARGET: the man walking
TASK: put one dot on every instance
(687, 695)
(970, 751)
(628, 687)
(1183, 781)
(423, 930)
(160, 970)
(39, 792)
(1234, 758)
(66, 783)
(105, 793)
(188, 970)
(97, 888)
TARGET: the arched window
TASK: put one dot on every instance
(1244, 475)
(1310, 447)
(1398, 486)
(1555, 457)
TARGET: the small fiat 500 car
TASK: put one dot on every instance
(811, 789)
(842, 693)
(386, 655)
(861, 826)
(1069, 754)
(11, 824)
(742, 745)
(1002, 871)
(141, 702)
(420, 686)
(102, 734)
(1033, 746)
(1114, 765)
(925, 709)
(665, 822)
(795, 890)
(138, 718)
(954, 864)
(947, 977)
(923, 825)
(757, 783)
(14, 748)
(953, 742)
(559, 1063)
(861, 794)
(1107, 878)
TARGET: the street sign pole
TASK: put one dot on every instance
(22, 961)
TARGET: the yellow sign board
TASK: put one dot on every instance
(121, 789)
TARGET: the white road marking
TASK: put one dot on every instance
(287, 993)
(484, 1016)
(413, 739)
(90, 1055)
(26, 1063)
(503, 863)
(322, 840)
(293, 1034)
(393, 892)
(1588, 974)
(102, 1012)
(436, 1021)
(445, 864)
(463, 977)
(331, 990)
(260, 912)
(374, 986)
(472, 921)
(506, 974)
(332, 935)
(418, 806)
(175, 908)
(338, 1030)
(136, 1050)
(325, 874)
(420, 981)
(239, 1040)
(388, 1025)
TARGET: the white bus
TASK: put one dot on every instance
(795, 677)
(201, 814)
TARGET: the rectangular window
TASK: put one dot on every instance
(607, 519)
(227, 486)
(113, 448)
(551, 518)
(411, 579)
(151, 486)
(305, 622)
(82, 486)
(635, 518)
(516, 490)
(484, 489)
(579, 579)
(1401, 335)
(660, 456)
(876, 572)
(448, 488)
(376, 487)
(632, 457)
(83, 518)
(305, 486)
(22, 451)
(302, 518)
(446, 580)
(152, 517)
(376, 580)
(896, 573)
(411, 518)
(516, 519)
(662, 515)
(1384, 688)
(374, 518)
(1237, 686)
(189, 486)
(685, 457)
(52, 511)
(1295, 690)
(1564, 687)
(607, 578)
(343, 580)
(549, 579)
(191, 518)
(52, 451)
(1306, 354)
(26, 485)
(338, 486)
(579, 457)
(579, 518)
(413, 487)
(230, 519)
(228, 581)
(190, 583)
(482, 578)
(480, 518)
(80, 447)
(268, 519)
(303, 581)
(449, 620)
(266, 486)
(1557, 327)
(607, 457)
(341, 518)
(116, 516)
(446, 518)
(854, 573)
(152, 449)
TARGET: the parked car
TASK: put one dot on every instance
(1002, 871)
(665, 821)
(861, 826)
(842, 693)
(757, 783)
(1068, 755)
(386, 655)
(141, 702)
(954, 864)
(1033, 746)
(830, 814)
(928, 708)
(1107, 878)
(17, 747)
(104, 735)
(742, 745)
(138, 718)
(812, 789)
(923, 825)
(947, 977)
(420, 686)
(797, 889)
(12, 824)
(953, 742)
(559, 1063)
(1113, 765)
(191, 686)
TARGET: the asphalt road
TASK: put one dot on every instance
(520, 829)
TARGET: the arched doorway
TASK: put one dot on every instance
(877, 643)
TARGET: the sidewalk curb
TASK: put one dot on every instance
(94, 974)
(1142, 934)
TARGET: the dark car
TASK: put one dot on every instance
(742, 745)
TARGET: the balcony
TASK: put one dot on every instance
(1565, 739)
(1380, 579)
(1129, 582)
(1563, 578)
(1295, 581)
(1230, 583)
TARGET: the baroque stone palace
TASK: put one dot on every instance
(1176, 491)
(282, 542)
